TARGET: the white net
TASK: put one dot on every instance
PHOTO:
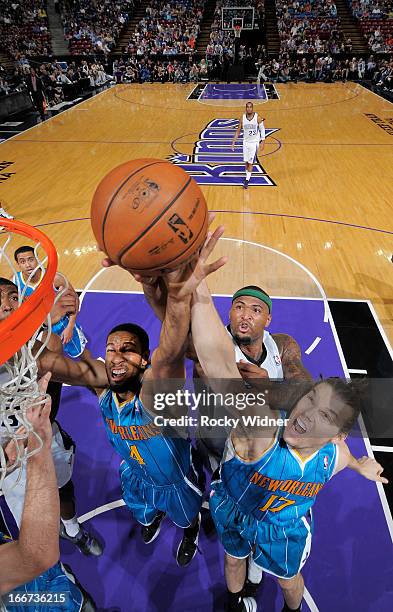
(19, 389)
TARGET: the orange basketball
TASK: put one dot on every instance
(148, 215)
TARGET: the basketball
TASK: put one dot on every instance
(149, 215)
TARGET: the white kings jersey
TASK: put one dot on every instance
(251, 131)
(271, 363)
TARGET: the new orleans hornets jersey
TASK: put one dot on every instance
(151, 456)
(279, 488)
(53, 582)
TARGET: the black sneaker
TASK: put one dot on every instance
(245, 184)
(150, 532)
(245, 604)
(188, 545)
(88, 603)
(83, 540)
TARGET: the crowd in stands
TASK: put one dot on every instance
(310, 26)
(326, 69)
(376, 22)
(169, 27)
(24, 28)
(94, 27)
(60, 81)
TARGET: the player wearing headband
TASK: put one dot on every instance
(270, 476)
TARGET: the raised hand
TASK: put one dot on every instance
(371, 469)
(185, 280)
(38, 417)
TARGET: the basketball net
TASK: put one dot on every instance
(237, 30)
(19, 388)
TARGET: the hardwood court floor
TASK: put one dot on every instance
(330, 209)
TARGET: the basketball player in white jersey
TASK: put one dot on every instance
(253, 135)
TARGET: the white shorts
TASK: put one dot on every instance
(14, 490)
(250, 152)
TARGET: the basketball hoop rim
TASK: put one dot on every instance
(20, 326)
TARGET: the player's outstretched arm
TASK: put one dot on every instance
(168, 358)
(365, 466)
(38, 546)
(86, 372)
(213, 346)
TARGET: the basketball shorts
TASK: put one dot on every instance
(55, 583)
(63, 451)
(250, 150)
(277, 549)
(181, 501)
(75, 347)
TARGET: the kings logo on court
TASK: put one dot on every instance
(214, 163)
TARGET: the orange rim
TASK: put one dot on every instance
(19, 327)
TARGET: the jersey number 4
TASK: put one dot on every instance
(135, 454)
(272, 499)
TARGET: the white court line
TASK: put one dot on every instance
(327, 313)
(379, 485)
(101, 509)
(120, 502)
(313, 345)
(355, 371)
(309, 601)
(382, 449)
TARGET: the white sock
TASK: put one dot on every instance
(248, 175)
(71, 526)
(254, 572)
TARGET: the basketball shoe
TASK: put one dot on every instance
(150, 532)
(83, 540)
(245, 184)
(189, 544)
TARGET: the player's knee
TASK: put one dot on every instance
(290, 585)
(232, 563)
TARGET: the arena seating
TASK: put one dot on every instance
(94, 27)
(24, 28)
(169, 27)
(376, 22)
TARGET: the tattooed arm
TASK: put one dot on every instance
(291, 358)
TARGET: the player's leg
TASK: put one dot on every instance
(236, 533)
(184, 505)
(249, 151)
(137, 498)
(254, 578)
(71, 529)
(63, 451)
(292, 591)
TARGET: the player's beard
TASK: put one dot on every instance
(244, 340)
